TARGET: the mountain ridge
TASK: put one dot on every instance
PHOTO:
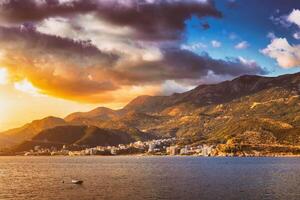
(211, 113)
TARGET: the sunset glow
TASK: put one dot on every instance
(85, 54)
(3, 76)
(26, 87)
(149, 99)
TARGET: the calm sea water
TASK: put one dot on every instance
(149, 178)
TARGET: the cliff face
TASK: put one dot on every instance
(248, 110)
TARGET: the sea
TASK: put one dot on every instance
(141, 177)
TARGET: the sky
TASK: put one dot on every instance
(62, 56)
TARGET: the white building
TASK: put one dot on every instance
(184, 151)
(207, 150)
(151, 147)
(113, 151)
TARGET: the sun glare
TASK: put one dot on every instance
(3, 76)
(26, 87)
(3, 107)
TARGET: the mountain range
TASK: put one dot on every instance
(247, 110)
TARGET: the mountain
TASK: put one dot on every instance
(17, 135)
(252, 110)
(265, 108)
(100, 113)
(79, 136)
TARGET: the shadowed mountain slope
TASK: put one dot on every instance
(90, 136)
(29, 130)
(248, 109)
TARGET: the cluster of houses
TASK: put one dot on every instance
(154, 147)
(201, 150)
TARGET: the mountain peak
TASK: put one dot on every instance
(100, 113)
(48, 119)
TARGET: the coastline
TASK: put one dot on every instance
(167, 156)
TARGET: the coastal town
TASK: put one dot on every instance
(153, 147)
(163, 147)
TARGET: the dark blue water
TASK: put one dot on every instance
(149, 178)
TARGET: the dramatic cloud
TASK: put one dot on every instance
(294, 17)
(55, 65)
(150, 20)
(180, 65)
(170, 87)
(95, 51)
(249, 63)
(287, 55)
(242, 45)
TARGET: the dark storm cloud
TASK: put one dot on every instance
(192, 65)
(159, 20)
(74, 69)
(151, 20)
(64, 67)
(20, 11)
(26, 35)
(180, 64)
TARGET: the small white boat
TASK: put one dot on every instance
(77, 182)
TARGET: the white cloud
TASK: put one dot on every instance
(294, 17)
(296, 35)
(170, 86)
(152, 55)
(249, 63)
(194, 46)
(104, 36)
(212, 78)
(286, 55)
(242, 45)
(216, 44)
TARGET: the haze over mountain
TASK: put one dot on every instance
(17, 135)
(248, 110)
(81, 136)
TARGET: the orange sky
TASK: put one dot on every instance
(59, 57)
(21, 102)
